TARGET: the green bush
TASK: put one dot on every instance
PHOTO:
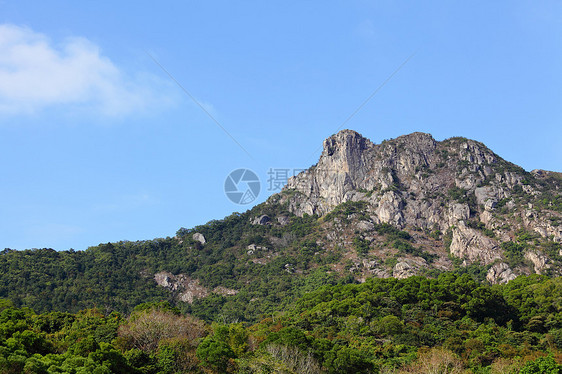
(542, 365)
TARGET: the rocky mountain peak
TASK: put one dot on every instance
(350, 164)
(351, 167)
(343, 151)
(345, 143)
(420, 141)
(456, 188)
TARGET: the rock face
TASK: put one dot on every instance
(500, 273)
(472, 245)
(351, 167)
(408, 267)
(457, 186)
(188, 289)
(283, 220)
(261, 220)
(539, 261)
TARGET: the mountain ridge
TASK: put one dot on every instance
(407, 206)
(457, 185)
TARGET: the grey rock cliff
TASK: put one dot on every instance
(456, 186)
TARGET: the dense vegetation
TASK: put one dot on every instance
(118, 276)
(286, 262)
(291, 314)
(450, 324)
(287, 297)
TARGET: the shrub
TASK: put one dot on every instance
(542, 365)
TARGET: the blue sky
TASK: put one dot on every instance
(98, 144)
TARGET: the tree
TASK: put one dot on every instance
(146, 329)
(215, 352)
(542, 365)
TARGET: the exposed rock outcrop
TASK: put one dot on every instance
(283, 220)
(199, 237)
(262, 220)
(414, 182)
(188, 289)
(472, 245)
(500, 273)
(539, 261)
(405, 268)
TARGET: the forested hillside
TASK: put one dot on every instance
(409, 256)
(417, 325)
(118, 276)
(408, 206)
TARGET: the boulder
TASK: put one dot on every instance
(199, 237)
(262, 220)
(500, 273)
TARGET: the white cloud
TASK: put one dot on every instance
(36, 74)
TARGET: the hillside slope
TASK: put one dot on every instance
(407, 206)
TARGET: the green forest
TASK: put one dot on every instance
(118, 276)
(298, 305)
(451, 324)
